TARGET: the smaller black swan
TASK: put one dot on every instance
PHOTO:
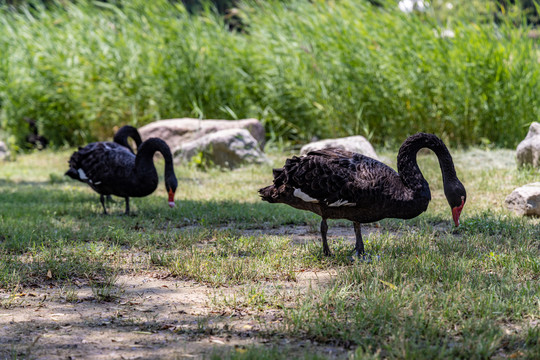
(338, 184)
(125, 132)
(37, 141)
(111, 169)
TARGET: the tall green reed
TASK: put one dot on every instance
(321, 68)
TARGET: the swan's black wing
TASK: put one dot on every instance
(105, 166)
(335, 178)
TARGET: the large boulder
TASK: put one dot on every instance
(357, 144)
(176, 132)
(528, 151)
(4, 151)
(525, 200)
(226, 148)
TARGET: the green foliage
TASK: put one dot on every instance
(273, 353)
(319, 68)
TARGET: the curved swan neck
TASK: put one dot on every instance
(408, 167)
(122, 135)
(145, 155)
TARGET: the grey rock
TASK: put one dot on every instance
(528, 151)
(525, 200)
(226, 148)
(176, 132)
(357, 144)
(4, 151)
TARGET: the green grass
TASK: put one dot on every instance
(433, 296)
(305, 68)
(430, 291)
(254, 353)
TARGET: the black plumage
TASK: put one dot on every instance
(338, 184)
(111, 169)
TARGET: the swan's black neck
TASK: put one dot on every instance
(408, 167)
(122, 135)
(144, 162)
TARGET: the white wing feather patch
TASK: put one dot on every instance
(305, 197)
(341, 203)
(82, 175)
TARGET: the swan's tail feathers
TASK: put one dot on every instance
(277, 172)
(280, 177)
(72, 173)
(268, 193)
(279, 191)
(277, 194)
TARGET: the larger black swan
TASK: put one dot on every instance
(338, 184)
(111, 169)
(125, 132)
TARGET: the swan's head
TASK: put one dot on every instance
(456, 196)
(170, 185)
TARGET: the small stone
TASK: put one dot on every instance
(4, 151)
(525, 200)
(528, 151)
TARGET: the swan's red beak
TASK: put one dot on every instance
(456, 212)
(171, 198)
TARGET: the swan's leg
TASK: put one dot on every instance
(324, 230)
(359, 243)
(102, 199)
(127, 205)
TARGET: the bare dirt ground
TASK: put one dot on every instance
(152, 317)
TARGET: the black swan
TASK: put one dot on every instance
(37, 141)
(338, 184)
(111, 169)
(125, 132)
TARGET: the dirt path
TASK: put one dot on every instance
(153, 318)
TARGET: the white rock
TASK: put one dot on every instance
(4, 151)
(528, 151)
(408, 6)
(227, 148)
(525, 200)
(357, 144)
(176, 132)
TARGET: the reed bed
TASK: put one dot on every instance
(306, 69)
